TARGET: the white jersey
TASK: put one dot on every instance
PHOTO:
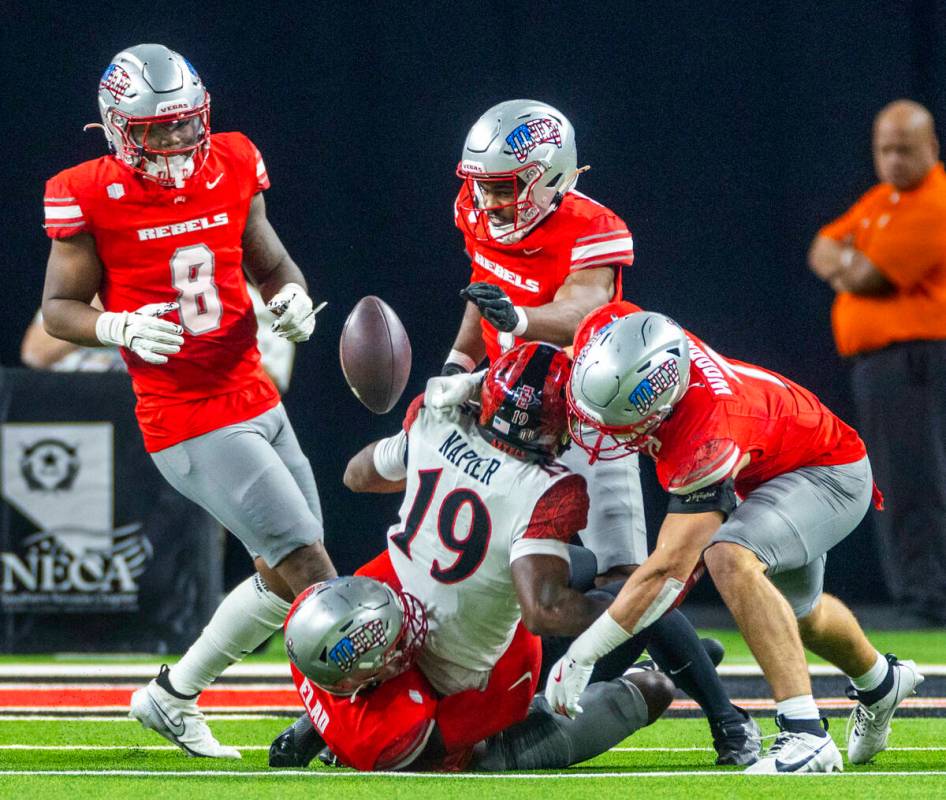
(469, 511)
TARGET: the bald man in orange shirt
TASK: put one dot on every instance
(886, 259)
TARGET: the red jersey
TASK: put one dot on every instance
(732, 408)
(579, 234)
(160, 244)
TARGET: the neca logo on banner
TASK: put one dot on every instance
(59, 477)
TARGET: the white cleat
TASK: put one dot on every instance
(869, 725)
(798, 752)
(177, 720)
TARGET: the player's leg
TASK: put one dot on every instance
(613, 710)
(236, 474)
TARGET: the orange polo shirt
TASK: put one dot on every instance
(904, 236)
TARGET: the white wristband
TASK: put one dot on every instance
(523, 321)
(601, 638)
(461, 359)
(109, 328)
(847, 257)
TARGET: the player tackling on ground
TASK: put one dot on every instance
(161, 230)
(419, 673)
(543, 255)
(719, 429)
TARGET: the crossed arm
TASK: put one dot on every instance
(845, 268)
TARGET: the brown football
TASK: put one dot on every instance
(375, 354)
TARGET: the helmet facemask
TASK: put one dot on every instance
(525, 212)
(136, 141)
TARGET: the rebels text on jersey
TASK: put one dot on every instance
(160, 244)
(579, 234)
(469, 511)
(732, 408)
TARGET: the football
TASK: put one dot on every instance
(375, 354)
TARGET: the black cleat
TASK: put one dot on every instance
(296, 746)
(329, 758)
(738, 741)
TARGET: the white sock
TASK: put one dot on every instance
(873, 677)
(801, 707)
(245, 619)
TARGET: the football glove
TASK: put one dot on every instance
(567, 680)
(446, 392)
(496, 307)
(296, 315)
(141, 331)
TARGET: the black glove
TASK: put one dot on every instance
(493, 304)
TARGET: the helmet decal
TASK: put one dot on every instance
(644, 395)
(348, 650)
(115, 81)
(524, 139)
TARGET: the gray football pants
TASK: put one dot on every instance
(791, 521)
(254, 479)
(616, 532)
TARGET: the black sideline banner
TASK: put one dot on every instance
(97, 552)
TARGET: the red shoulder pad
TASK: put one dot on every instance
(412, 411)
(561, 512)
(712, 462)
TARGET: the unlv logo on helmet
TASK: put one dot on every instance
(524, 139)
(115, 81)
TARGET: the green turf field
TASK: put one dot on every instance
(637, 769)
(923, 646)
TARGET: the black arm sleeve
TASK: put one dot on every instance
(718, 497)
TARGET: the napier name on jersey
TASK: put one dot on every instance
(161, 244)
(469, 511)
(580, 234)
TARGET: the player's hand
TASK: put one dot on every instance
(567, 680)
(446, 392)
(142, 331)
(494, 305)
(296, 315)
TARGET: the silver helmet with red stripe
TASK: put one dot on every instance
(518, 161)
(156, 113)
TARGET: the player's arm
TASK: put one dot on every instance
(846, 268)
(583, 291)
(265, 257)
(468, 348)
(379, 467)
(73, 275)
(549, 606)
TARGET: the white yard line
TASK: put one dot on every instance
(441, 776)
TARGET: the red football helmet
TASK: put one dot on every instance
(523, 401)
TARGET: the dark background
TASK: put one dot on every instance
(725, 134)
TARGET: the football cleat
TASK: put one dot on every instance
(798, 752)
(738, 742)
(177, 719)
(869, 724)
(296, 746)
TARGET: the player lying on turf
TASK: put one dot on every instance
(719, 430)
(162, 229)
(445, 655)
(542, 256)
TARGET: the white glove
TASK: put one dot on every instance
(296, 316)
(565, 683)
(141, 331)
(446, 392)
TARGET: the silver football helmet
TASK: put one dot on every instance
(155, 113)
(625, 382)
(349, 633)
(530, 147)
